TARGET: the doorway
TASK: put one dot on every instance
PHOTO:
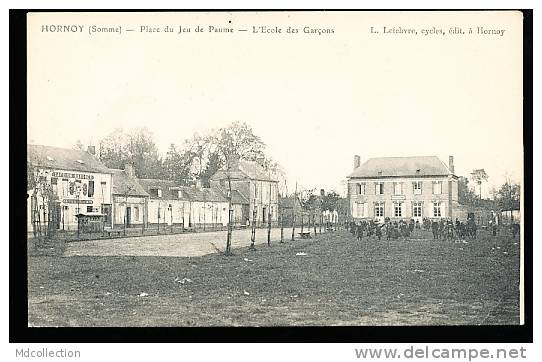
(128, 216)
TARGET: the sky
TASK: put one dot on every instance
(315, 100)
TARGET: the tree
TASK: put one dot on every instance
(234, 142)
(479, 176)
(177, 166)
(330, 201)
(466, 195)
(137, 148)
(214, 163)
(508, 196)
(197, 150)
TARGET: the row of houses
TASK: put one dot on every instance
(75, 182)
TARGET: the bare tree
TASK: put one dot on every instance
(234, 142)
(479, 176)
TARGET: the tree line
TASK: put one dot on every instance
(197, 158)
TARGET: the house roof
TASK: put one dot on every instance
(238, 198)
(401, 167)
(151, 183)
(124, 184)
(64, 159)
(187, 193)
(212, 194)
(245, 170)
(289, 202)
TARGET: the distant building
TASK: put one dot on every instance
(402, 188)
(191, 207)
(255, 184)
(290, 208)
(129, 199)
(167, 203)
(77, 182)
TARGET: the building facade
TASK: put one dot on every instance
(192, 207)
(402, 188)
(256, 185)
(130, 200)
(167, 203)
(63, 183)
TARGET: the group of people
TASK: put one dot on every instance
(441, 229)
(392, 229)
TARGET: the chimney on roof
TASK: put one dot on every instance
(322, 192)
(357, 161)
(129, 170)
(260, 161)
(451, 164)
(199, 184)
(91, 150)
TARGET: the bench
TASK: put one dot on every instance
(305, 235)
(113, 232)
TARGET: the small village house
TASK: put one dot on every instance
(192, 207)
(255, 184)
(167, 204)
(290, 208)
(130, 200)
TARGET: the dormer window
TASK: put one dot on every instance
(80, 162)
(49, 158)
(379, 173)
(418, 171)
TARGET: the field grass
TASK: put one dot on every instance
(339, 281)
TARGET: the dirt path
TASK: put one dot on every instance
(187, 245)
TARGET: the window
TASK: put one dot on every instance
(89, 208)
(417, 208)
(379, 188)
(65, 187)
(159, 192)
(360, 189)
(379, 209)
(417, 186)
(437, 212)
(361, 209)
(437, 187)
(54, 182)
(398, 188)
(91, 189)
(398, 209)
(136, 213)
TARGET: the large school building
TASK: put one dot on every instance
(403, 188)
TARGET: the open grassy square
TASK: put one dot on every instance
(337, 281)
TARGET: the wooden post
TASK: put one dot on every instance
(293, 212)
(314, 222)
(269, 214)
(230, 212)
(281, 228)
(253, 232)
